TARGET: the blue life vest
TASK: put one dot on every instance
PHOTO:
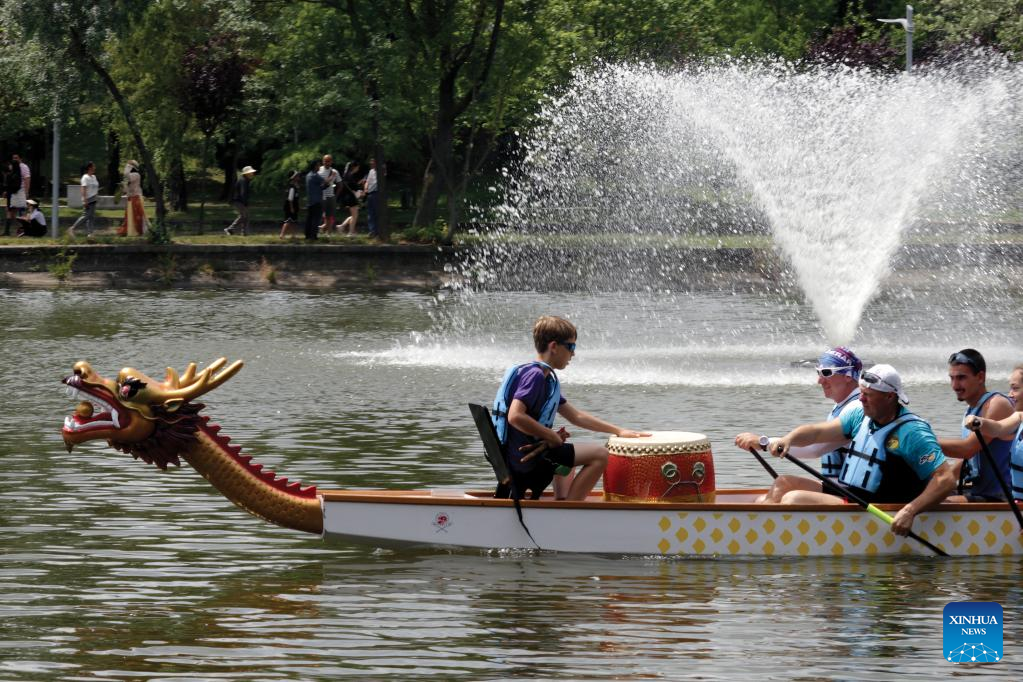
(831, 462)
(869, 469)
(1016, 464)
(502, 401)
(985, 482)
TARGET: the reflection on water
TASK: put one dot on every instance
(112, 569)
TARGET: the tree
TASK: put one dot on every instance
(76, 31)
(213, 78)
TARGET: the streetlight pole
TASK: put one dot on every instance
(55, 181)
(907, 24)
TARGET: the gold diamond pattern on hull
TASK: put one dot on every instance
(816, 534)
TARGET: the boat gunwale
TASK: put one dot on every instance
(482, 498)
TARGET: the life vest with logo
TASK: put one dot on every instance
(984, 481)
(503, 399)
(1016, 464)
(831, 462)
(871, 470)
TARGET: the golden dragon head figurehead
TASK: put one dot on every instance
(135, 410)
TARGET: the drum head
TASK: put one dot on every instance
(660, 442)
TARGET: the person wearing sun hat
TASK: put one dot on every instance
(838, 373)
(894, 456)
(240, 201)
(33, 224)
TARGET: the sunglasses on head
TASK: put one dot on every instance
(962, 359)
(830, 371)
(568, 345)
(871, 379)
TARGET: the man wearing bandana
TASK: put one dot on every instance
(893, 456)
(838, 373)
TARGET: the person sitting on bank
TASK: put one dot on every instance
(978, 482)
(894, 456)
(523, 414)
(33, 224)
(838, 374)
(1010, 427)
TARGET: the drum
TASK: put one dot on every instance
(669, 466)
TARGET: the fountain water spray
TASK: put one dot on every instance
(631, 166)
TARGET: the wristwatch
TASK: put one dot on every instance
(764, 442)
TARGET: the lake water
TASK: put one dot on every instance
(113, 570)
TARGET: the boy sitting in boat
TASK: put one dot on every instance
(524, 410)
(894, 456)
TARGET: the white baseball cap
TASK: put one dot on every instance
(884, 378)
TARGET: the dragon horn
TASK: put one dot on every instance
(189, 374)
(205, 381)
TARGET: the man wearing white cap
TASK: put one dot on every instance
(894, 456)
(838, 374)
(240, 201)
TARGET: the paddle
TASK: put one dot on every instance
(842, 491)
(763, 462)
(990, 459)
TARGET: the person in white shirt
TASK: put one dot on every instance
(35, 224)
(19, 199)
(371, 199)
(90, 195)
(330, 178)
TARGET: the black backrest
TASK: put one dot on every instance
(491, 445)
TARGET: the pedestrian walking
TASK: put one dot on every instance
(291, 191)
(240, 201)
(314, 200)
(90, 195)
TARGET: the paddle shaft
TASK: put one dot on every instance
(842, 491)
(763, 462)
(990, 459)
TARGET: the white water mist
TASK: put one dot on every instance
(836, 163)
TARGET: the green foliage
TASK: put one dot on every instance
(167, 269)
(988, 22)
(429, 234)
(158, 233)
(62, 265)
(276, 84)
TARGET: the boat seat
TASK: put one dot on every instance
(492, 449)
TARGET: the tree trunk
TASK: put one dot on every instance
(113, 162)
(419, 217)
(178, 187)
(136, 132)
(203, 185)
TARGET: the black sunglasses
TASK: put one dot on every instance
(871, 378)
(569, 346)
(962, 359)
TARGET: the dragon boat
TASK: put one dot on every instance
(160, 423)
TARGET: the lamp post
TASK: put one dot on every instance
(907, 24)
(55, 181)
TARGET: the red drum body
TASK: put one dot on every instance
(668, 466)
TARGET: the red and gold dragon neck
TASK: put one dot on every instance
(158, 423)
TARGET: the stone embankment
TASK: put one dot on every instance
(331, 266)
(312, 266)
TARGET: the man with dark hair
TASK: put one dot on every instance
(524, 410)
(314, 199)
(978, 482)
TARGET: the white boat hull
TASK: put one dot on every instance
(731, 526)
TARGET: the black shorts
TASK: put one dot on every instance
(540, 476)
(971, 497)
